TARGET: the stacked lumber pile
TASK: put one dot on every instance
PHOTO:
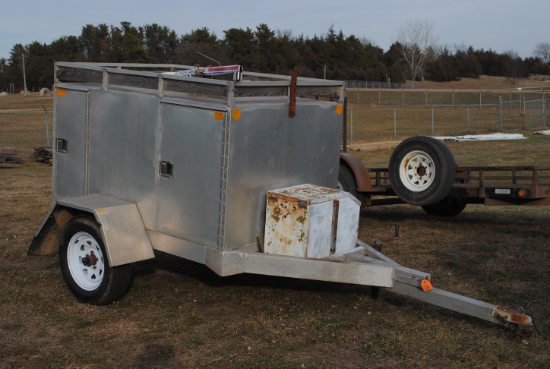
(9, 157)
(43, 154)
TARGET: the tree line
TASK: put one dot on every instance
(332, 55)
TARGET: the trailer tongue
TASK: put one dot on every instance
(236, 173)
(364, 265)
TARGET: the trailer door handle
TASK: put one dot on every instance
(61, 145)
(166, 169)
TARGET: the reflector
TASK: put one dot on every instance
(236, 114)
(426, 285)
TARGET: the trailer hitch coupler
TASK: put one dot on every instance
(511, 316)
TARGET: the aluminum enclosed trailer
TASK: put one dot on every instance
(236, 171)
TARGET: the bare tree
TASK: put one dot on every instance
(542, 51)
(284, 33)
(416, 44)
(513, 67)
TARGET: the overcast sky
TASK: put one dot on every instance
(500, 25)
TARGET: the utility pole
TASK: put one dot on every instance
(24, 77)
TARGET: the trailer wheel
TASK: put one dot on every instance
(346, 180)
(85, 265)
(422, 171)
(448, 207)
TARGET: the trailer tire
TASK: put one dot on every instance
(448, 207)
(85, 265)
(422, 171)
(346, 181)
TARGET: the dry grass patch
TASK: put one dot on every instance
(488, 83)
(180, 314)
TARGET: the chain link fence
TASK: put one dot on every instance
(388, 85)
(381, 115)
(25, 130)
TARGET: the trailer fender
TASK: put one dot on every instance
(360, 172)
(124, 235)
(46, 240)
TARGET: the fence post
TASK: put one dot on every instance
(351, 127)
(500, 111)
(47, 124)
(480, 99)
(468, 113)
(47, 130)
(453, 98)
(345, 126)
(395, 122)
(522, 100)
(544, 108)
(433, 126)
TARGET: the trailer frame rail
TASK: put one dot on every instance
(494, 185)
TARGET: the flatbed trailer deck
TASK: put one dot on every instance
(507, 185)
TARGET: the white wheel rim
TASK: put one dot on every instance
(85, 261)
(417, 171)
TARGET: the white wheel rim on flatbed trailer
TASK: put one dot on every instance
(417, 171)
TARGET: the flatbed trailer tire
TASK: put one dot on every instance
(422, 171)
(346, 181)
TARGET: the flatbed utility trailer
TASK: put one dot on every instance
(422, 171)
(236, 171)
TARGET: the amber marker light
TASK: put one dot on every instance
(521, 193)
(426, 285)
(339, 109)
(218, 115)
(61, 92)
(236, 114)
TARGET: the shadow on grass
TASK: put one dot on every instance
(202, 274)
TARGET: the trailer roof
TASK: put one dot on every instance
(167, 80)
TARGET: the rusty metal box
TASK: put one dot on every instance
(310, 221)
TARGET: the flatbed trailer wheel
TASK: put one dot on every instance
(346, 181)
(85, 265)
(422, 171)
